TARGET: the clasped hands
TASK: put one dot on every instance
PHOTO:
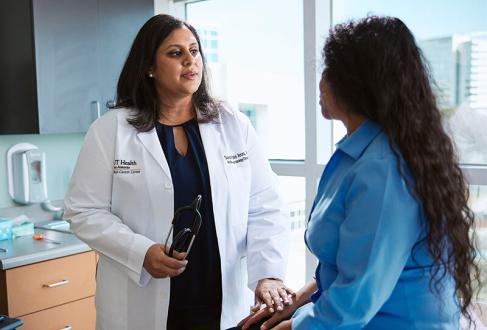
(274, 301)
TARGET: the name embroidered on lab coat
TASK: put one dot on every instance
(122, 166)
(236, 158)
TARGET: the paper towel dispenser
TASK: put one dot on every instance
(26, 170)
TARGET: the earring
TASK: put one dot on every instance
(151, 75)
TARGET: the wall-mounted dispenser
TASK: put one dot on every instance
(26, 172)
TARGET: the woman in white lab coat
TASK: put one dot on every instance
(167, 142)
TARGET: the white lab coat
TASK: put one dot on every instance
(122, 212)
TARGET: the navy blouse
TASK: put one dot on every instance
(195, 294)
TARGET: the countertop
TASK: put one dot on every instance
(25, 250)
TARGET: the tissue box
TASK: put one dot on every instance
(25, 228)
(5, 229)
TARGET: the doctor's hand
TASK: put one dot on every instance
(160, 265)
(273, 293)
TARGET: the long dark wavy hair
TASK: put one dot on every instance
(374, 68)
(136, 89)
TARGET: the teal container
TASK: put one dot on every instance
(25, 228)
(5, 229)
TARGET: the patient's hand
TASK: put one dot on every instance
(263, 313)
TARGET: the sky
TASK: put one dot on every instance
(426, 18)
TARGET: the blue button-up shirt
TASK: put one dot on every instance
(363, 227)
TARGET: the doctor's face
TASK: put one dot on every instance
(178, 66)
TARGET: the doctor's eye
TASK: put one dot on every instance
(174, 53)
(194, 52)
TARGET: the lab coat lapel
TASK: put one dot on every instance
(212, 137)
(152, 144)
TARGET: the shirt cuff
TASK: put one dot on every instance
(136, 260)
(256, 274)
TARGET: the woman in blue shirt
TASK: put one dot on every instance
(390, 224)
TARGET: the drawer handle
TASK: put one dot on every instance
(53, 285)
(68, 327)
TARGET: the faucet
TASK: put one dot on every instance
(49, 207)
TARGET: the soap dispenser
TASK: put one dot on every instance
(26, 170)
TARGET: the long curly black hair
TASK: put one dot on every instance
(374, 68)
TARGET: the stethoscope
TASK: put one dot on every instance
(184, 239)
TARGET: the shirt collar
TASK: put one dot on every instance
(355, 144)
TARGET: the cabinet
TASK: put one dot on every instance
(54, 294)
(61, 60)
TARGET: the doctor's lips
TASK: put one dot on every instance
(191, 75)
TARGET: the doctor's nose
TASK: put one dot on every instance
(188, 60)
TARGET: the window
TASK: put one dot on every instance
(293, 191)
(478, 203)
(258, 59)
(250, 111)
(268, 66)
(454, 42)
(258, 115)
(265, 65)
(208, 38)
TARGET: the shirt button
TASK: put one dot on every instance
(168, 185)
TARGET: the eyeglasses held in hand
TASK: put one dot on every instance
(183, 239)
